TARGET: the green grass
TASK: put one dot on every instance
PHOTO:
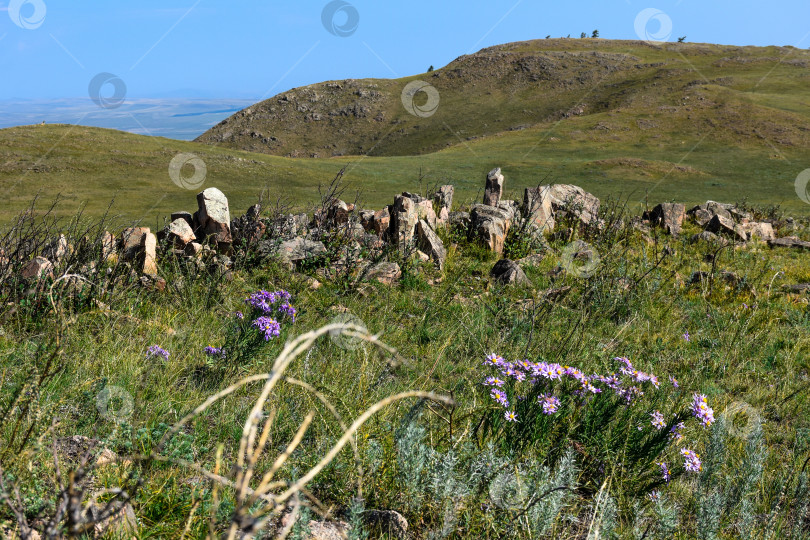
(746, 347)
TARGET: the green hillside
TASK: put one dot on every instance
(685, 122)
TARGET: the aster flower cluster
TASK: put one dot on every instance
(265, 302)
(155, 351)
(216, 352)
(701, 410)
(514, 380)
(691, 460)
(271, 306)
(268, 326)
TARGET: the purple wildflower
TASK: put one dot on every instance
(510, 416)
(550, 403)
(288, 310)
(215, 351)
(239, 315)
(675, 432)
(674, 382)
(268, 326)
(494, 360)
(500, 397)
(494, 381)
(657, 420)
(686, 336)
(701, 410)
(691, 460)
(264, 300)
(156, 351)
(665, 471)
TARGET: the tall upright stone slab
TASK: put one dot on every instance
(494, 187)
(214, 218)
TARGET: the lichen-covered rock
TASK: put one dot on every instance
(214, 217)
(404, 218)
(574, 200)
(490, 225)
(537, 208)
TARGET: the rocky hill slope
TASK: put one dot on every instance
(745, 95)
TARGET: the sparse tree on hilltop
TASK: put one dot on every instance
(430, 69)
(583, 35)
(595, 34)
(681, 39)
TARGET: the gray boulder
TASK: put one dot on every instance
(507, 272)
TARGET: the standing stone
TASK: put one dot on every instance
(670, 216)
(149, 257)
(132, 241)
(430, 243)
(537, 208)
(490, 226)
(214, 217)
(424, 210)
(404, 217)
(508, 272)
(494, 187)
(57, 249)
(443, 200)
(338, 213)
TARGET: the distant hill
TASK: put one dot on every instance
(651, 93)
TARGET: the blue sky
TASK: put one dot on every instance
(255, 49)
